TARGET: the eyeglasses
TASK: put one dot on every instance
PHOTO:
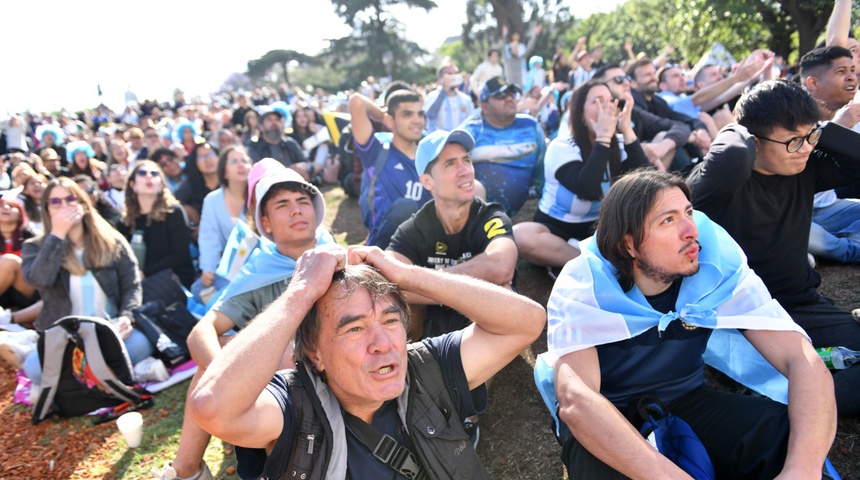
(151, 135)
(794, 144)
(208, 156)
(143, 173)
(620, 79)
(58, 201)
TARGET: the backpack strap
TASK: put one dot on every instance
(96, 361)
(54, 341)
(386, 449)
(424, 367)
(381, 158)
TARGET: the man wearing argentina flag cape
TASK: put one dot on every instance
(632, 317)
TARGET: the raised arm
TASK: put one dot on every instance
(811, 401)
(363, 111)
(599, 427)
(839, 24)
(504, 322)
(230, 401)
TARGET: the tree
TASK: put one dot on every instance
(485, 20)
(259, 68)
(377, 44)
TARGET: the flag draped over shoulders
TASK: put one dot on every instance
(587, 308)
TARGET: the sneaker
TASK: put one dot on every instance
(169, 473)
(16, 346)
(470, 425)
(150, 369)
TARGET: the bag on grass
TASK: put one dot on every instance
(167, 329)
(85, 367)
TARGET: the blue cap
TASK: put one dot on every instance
(431, 146)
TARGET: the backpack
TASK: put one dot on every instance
(85, 367)
(674, 438)
(164, 318)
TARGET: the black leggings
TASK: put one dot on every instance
(746, 437)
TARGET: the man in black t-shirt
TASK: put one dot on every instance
(457, 230)
(758, 182)
(349, 322)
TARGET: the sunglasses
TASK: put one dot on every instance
(620, 79)
(143, 173)
(58, 201)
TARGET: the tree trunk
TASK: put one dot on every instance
(509, 13)
(810, 23)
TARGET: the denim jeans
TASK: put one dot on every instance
(138, 346)
(835, 232)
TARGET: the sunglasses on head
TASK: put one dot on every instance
(57, 201)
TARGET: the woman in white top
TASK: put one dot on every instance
(222, 208)
(579, 170)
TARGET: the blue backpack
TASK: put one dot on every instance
(674, 438)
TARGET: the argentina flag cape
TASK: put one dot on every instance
(588, 308)
(266, 266)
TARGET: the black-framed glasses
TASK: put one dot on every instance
(143, 173)
(507, 93)
(620, 79)
(793, 144)
(58, 201)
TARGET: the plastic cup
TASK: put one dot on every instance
(131, 426)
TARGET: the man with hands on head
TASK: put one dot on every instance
(350, 324)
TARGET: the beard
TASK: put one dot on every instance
(661, 274)
(272, 135)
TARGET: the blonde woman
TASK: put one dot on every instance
(152, 210)
(81, 266)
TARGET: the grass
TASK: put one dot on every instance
(516, 442)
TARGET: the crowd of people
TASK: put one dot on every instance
(679, 209)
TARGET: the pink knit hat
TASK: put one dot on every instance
(264, 167)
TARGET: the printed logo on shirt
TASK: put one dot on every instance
(399, 166)
(494, 227)
(441, 247)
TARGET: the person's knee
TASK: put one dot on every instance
(9, 263)
(138, 346)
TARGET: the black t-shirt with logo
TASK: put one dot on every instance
(423, 240)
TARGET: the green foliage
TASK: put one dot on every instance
(377, 44)
(259, 68)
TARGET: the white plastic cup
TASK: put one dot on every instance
(131, 426)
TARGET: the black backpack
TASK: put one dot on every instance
(85, 367)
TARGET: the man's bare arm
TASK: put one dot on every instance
(839, 24)
(599, 427)
(811, 401)
(230, 401)
(363, 111)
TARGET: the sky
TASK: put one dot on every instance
(58, 51)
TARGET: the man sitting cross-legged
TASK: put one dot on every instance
(631, 317)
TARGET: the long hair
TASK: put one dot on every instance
(579, 130)
(102, 243)
(20, 226)
(32, 205)
(164, 200)
(624, 211)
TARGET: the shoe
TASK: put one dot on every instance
(169, 473)
(470, 425)
(150, 369)
(16, 346)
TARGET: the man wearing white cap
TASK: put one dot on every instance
(289, 214)
(456, 231)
